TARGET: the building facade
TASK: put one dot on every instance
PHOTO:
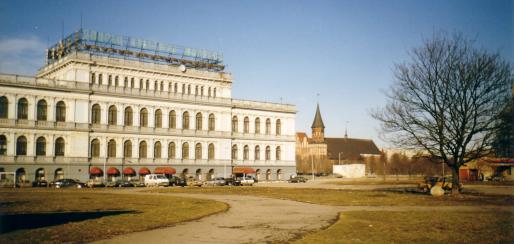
(99, 108)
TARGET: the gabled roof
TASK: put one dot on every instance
(350, 148)
(318, 122)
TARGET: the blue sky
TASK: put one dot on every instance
(289, 50)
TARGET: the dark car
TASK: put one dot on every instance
(232, 182)
(177, 181)
(68, 183)
(297, 179)
(124, 183)
(40, 183)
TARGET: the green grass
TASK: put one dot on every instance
(349, 197)
(418, 227)
(122, 213)
(378, 181)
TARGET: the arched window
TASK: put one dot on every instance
(172, 119)
(113, 114)
(100, 79)
(95, 114)
(59, 147)
(257, 153)
(212, 122)
(4, 107)
(234, 152)
(155, 85)
(278, 153)
(142, 149)
(175, 88)
(23, 107)
(278, 127)
(257, 126)
(199, 119)
(141, 84)
(125, 82)
(198, 151)
(60, 112)
(162, 86)
(234, 124)
(209, 92)
(188, 89)
(268, 153)
(170, 87)
(109, 80)
(21, 146)
(95, 148)
(127, 149)
(171, 150)
(41, 110)
(246, 152)
(158, 118)
(147, 86)
(185, 120)
(128, 116)
(3, 145)
(201, 91)
(41, 146)
(132, 82)
(116, 81)
(214, 93)
(93, 78)
(143, 118)
(111, 149)
(183, 88)
(268, 126)
(185, 150)
(157, 150)
(246, 125)
(211, 151)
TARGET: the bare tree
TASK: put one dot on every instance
(446, 101)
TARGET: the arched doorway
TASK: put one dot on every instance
(40, 174)
(59, 174)
(210, 175)
(198, 174)
(268, 174)
(184, 174)
(20, 175)
(258, 174)
(279, 174)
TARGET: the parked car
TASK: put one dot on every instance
(67, 183)
(232, 182)
(219, 181)
(40, 183)
(246, 181)
(156, 180)
(124, 183)
(297, 179)
(137, 183)
(177, 181)
(191, 181)
(95, 183)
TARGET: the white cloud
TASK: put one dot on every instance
(21, 55)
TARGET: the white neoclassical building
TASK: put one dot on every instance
(114, 106)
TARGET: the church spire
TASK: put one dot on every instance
(318, 121)
(318, 128)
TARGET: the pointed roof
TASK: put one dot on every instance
(318, 122)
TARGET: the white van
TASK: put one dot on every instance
(156, 180)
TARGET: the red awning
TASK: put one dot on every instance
(243, 170)
(113, 171)
(165, 170)
(144, 171)
(129, 171)
(95, 171)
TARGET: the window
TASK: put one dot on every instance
(278, 152)
(93, 78)
(183, 88)
(125, 82)
(185, 151)
(257, 126)
(198, 151)
(141, 84)
(109, 80)
(21, 146)
(175, 88)
(196, 91)
(147, 86)
(155, 86)
(60, 112)
(199, 121)
(170, 87)
(278, 127)
(158, 118)
(23, 107)
(132, 82)
(41, 110)
(172, 119)
(209, 92)
(128, 116)
(185, 120)
(4, 107)
(214, 93)
(188, 89)
(100, 79)
(41, 146)
(3, 145)
(116, 81)
(246, 152)
(212, 122)
(95, 148)
(234, 124)
(211, 151)
(95, 114)
(127, 149)
(59, 147)
(157, 150)
(234, 152)
(162, 86)
(268, 126)
(171, 150)
(268, 153)
(111, 149)
(257, 153)
(143, 118)
(142, 149)
(246, 125)
(201, 91)
(113, 114)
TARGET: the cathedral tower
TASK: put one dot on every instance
(318, 128)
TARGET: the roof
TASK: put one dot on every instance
(300, 136)
(318, 121)
(350, 148)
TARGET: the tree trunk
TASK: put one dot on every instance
(455, 180)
